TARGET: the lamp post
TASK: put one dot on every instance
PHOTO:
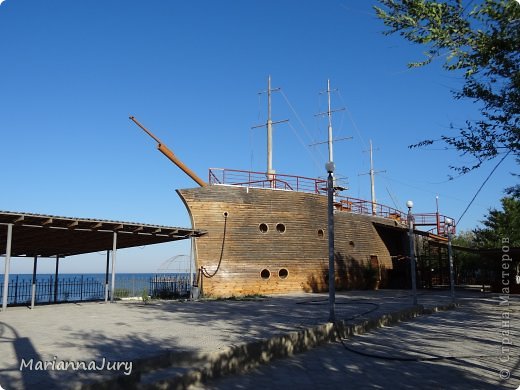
(449, 225)
(411, 238)
(330, 201)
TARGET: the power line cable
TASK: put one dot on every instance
(483, 184)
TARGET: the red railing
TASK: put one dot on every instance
(263, 180)
(319, 186)
(361, 206)
(438, 221)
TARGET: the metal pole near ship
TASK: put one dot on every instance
(411, 238)
(449, 224)
(330, 200)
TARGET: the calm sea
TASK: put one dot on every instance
(96, 276)
(78, 287)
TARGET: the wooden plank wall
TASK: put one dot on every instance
(294, 259)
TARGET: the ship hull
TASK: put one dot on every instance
(268, 241)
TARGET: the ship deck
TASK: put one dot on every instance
(434, 224)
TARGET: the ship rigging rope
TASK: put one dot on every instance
(298, 137)
(204, 272)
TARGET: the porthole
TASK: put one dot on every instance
(321, 234)
(283, 273)
(225, 214)
(352, 244)
(265, 274)
(280, 228)
(263, 227)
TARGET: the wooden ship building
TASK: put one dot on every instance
(267, 232)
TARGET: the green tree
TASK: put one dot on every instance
(500, 224)
(481, 41)
(465, 238)
(467, 261)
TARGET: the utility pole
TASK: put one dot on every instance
(269, 125)
(437, 215)
(411, 239)
(372, 174)
(330, 218)
(449, 226)
(331, 190)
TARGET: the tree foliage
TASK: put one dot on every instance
(480, 40)
(467, 262)
(500, 224)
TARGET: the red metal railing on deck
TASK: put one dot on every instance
(361, 206)
(438, 221)
(263, 180)
(319, 186)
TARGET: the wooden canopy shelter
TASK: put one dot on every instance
(37, 235)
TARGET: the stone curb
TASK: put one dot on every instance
(238, 359)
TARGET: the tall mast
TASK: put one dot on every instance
(372, 174)
(329, 114)
(330, 139)
(270, 170)
(269, 125)
(372, 183)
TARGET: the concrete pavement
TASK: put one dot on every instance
(464, 348)
(165, 339)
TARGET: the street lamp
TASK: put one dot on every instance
(449, 224)
(411, 239)
(330, 201)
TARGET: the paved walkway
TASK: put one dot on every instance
(98, 333)
(407, 356)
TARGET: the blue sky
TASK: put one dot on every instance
(71, 72)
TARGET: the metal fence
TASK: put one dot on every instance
(262, 180)
(168, 286)
(80, 288)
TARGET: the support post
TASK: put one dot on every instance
(411, 238)
(330, 208)
(450, 257)
(106, 276)
(7, 264)
(56, 279)
(201, 288)
(437, 216)
(114, 253)
(33, 287)
(192, 262)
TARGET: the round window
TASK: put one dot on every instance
(283, 273)
(280, 228)
(263, 227)
(265, 274)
